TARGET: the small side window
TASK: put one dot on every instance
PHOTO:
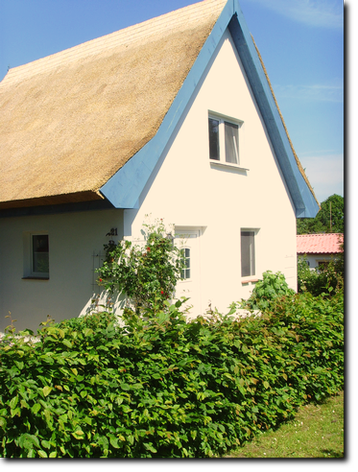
(247, 253)
(40, 255)
(36, 256)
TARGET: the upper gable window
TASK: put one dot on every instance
(224, 140)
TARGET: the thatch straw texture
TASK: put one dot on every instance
(69, 121)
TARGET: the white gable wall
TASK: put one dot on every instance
(188, 191)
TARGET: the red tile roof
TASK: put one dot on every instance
(319, 243)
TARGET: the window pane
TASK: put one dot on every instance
(247, 253)
(185, 273)
(214, 139)
(40, 257)
(232, 143)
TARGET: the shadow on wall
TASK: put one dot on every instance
(104, 301)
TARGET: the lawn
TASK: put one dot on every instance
(316, 432)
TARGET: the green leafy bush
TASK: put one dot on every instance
(145, 275)
(327, 279)
(267, 290)
(162, 387)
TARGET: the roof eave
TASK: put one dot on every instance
(77, 197)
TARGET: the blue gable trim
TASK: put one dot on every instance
(124, 188)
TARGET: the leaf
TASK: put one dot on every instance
(193, 433)
(45, 444)
(13, 402)
(150, 447)
(27, 441)
(244, 349)
(79, 434)
(3, 422)
(67, 343)
(88, 331)
(46, 390)
(15, 412)
(35, 408)
(53, 454)
(266, 384)
(42, 453)
(114, 441)
(228, 376)
(19, 364)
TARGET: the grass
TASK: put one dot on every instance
(316, 432)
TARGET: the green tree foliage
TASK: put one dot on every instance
(329, 219)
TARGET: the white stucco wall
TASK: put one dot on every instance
(188, 191)
(73, 239)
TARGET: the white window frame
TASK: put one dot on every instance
(29, 272)
(184, 234)
(222, 119)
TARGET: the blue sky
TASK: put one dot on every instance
(300, 41)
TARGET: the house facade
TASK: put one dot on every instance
(319, 249)
(198, 141)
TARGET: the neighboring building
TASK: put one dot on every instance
(174, 117)
(319, 249)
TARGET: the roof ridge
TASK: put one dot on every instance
(143, 31)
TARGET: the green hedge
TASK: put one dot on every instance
(165, 387)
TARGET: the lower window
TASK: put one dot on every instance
(40, 255)
(36, 253)
(247, 253)
(185, 273)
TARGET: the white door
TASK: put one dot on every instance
(189, 241)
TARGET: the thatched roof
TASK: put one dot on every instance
(69, 121)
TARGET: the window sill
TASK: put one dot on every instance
(35, 278)
(249, 281)
(214, 163)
